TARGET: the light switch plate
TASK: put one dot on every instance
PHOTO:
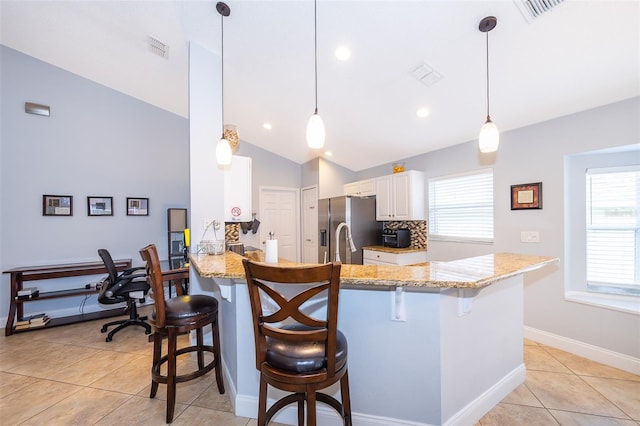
(529, 236)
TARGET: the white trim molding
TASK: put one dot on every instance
(594, 353)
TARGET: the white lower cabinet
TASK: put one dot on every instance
(374, 257)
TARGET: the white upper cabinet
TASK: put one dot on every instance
(400, 196)
(361, 188)
(237, 190)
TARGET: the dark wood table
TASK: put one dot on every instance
(23, 274)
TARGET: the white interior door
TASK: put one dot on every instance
(310, 225)
(280, 214)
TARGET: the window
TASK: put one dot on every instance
(461, 207)
(613, 230)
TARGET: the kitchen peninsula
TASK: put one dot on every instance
(433, 343)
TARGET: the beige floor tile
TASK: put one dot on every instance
(204, 416)
(15, 409)
(131, 378)
(10, 383)
(567, 418)
(211, 398)
(625, 394)
(84, 407)
(569, 393)
(510, 414)
(139, 411)
(55, 357)
(585, 367)
(536, 358)
(87, 371)
(522, 396)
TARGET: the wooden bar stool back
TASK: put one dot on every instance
(175, 316)
(299, 348)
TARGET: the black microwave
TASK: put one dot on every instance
(397, 238)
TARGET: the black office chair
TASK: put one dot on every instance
(128, 287)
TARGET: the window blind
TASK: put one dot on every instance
(461, 207)
(613, 229)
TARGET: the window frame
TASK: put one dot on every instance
(456, 238)
(575, 225)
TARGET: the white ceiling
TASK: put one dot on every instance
(581, 55)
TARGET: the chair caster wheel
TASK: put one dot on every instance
(103, 330)
(108, 339)
(147, 332)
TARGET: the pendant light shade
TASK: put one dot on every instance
(315, 132)
(223, 152)
(489, 137)
(315, 127)
(489, 134)
(223, 149)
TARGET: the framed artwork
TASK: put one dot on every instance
(137, 206)
(526, 196)
(57, 205)
(100, 206)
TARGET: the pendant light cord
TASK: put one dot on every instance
(315, 47)
(488, 116)
(222, 66)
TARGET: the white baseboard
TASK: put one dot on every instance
(480, 406)
(594, 353)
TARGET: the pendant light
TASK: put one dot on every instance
(223, 149)
(489, 134)
(315, 127)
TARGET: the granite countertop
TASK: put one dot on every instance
(474, 272)
(393, 250)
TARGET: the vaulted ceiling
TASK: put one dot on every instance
(580, 55)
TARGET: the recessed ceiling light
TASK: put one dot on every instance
(328, 153)
(343, 53)
(422, 112)
(267, 126)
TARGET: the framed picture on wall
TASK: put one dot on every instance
(137, 206)
(57, 205)
(526, 196)
(100, 206)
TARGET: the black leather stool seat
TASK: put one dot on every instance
(182, 308)
(303, 357)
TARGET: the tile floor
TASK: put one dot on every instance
(71, 376)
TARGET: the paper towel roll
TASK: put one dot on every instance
(271, 255)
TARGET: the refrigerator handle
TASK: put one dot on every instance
(323, 238)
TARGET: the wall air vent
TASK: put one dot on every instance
(157, 47)
(532, 9)
(425, 74)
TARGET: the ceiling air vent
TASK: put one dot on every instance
(532, 9)
(425, 74)
(157, 47)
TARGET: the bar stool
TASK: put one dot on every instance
(296, 350)
(175, 316)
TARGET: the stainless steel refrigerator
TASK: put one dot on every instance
(360, 216)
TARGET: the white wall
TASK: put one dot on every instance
(97, 142)
(537, 154)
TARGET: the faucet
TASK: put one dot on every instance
(349, 239)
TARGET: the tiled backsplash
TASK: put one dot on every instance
(232, 232)
(418, 230)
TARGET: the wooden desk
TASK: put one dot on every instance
(23, 274)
